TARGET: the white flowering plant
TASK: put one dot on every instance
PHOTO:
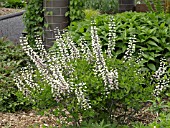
(36, 93)
(86, 81)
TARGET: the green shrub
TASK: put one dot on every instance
(14, 4)
(75, 10)
(11, 60)
(157, 5)
(101, 76)
(34, 20)
(35, 91)
(105, 6)
(89, 85)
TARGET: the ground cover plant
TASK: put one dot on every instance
(94, 79)
(11, 60)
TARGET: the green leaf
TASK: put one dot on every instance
(155, 39)
(148, 57)
(152, 43)
(152, 66)
(162, 25)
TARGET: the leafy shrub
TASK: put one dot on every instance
(157, 5)
(105, 6)
(75, 10)
(14, 4)
(76, 7)
(88, 83)
(152, 32)
(34, 20)
(98, 78)
(12, 58)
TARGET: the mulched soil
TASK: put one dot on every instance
(25, 120)
(5, 11)
(32, 119)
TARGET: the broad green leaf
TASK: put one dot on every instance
(148, 57)
(152, 66)
(152, 43)
(155, 38)
(162, 25)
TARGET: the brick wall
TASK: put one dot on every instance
(55, 17)
(126, 5)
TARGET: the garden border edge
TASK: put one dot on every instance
(11, 15)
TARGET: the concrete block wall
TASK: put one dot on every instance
(126, 5)
(55, 17)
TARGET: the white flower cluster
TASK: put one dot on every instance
(131, 48)
(139, 58)
(63, 52)
(74, 52)
(51, 72)
(40, 47)
(26, 80)
(160, 78)
(85, 50)
(110, 80)
(80, 90)
(111, 37)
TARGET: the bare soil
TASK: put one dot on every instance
(5, 11)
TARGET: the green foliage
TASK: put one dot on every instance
(152, 32)
(134, 89)
(34, 20)
(91, 124)
(75, 10)
(76, 7)
(12, 58)
(105, 6)
(11, 99)
(39, 97)
(157, 5)
(14, 4)
(131, 94)
(90, 14)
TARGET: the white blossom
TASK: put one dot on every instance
(111, 37)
